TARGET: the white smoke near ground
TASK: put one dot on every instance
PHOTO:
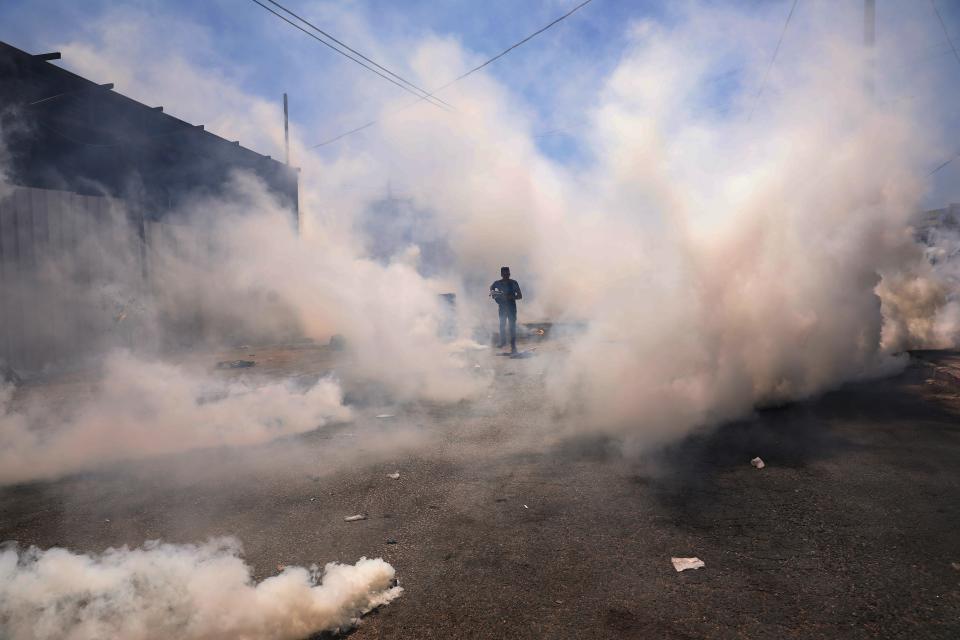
(141, 408)
(921, 306)
(160, 591)
(723, 261)
(390, 316)
(724, 246)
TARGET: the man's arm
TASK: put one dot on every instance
(517, 294)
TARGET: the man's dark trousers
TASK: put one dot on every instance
(508, 313)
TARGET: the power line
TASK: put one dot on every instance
(348, 56)
(352, 50)
(461, 76)
(957, 56)
(514, 46)
(763, 83)
(945, 32)
(944, 164)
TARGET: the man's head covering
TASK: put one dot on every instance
(505, 272)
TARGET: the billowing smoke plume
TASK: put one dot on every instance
(143, 408)
(921, 305)
(320, 285)
(725, 246)
(161, 591)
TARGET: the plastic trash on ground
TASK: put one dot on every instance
(359, 516)
(758, 463)
(394, 476)
(682, 564)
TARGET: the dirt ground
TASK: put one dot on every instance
(501, 531)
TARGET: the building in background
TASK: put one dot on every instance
(68, 133)
(90, 180)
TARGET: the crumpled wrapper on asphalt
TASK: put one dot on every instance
(682, 564)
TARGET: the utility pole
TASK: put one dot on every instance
(286, 131)
(869, 42)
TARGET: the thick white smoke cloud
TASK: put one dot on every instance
(391, 317)
(141, 408)
(162, 591)
(722, 260)
(921, 305)
(727, 250)
(725, 247)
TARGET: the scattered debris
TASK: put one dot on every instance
(758, 463)
(682, 564)
(312, 499)
(394, 476)
(359, 516)
(525, 507)
(955, 565)
(559, 601)
(281, 567)
(385, 415)
(391, 541)
(106, 520)
(235, 364)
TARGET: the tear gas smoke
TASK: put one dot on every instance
(721, 260)
(146, 408)
(162, 591)
(921, 305)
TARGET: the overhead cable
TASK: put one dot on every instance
(423, 96)
(351, 49)
(957, 56)
(776, 51)
(461, 76)
(945, 32)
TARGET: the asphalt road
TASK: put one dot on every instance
(849, 532)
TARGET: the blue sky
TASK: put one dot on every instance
(556, 76)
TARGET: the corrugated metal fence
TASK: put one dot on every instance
(67, 263)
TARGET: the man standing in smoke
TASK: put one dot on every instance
(505, 292)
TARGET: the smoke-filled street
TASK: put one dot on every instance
(407, 319)
(844, 532)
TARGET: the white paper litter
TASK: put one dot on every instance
(385, 415)
(682, 564)
(758, 463)
(395, 475)
(359, 516)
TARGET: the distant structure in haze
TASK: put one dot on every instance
(928, 223)
(64, 132)
(90, 179)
